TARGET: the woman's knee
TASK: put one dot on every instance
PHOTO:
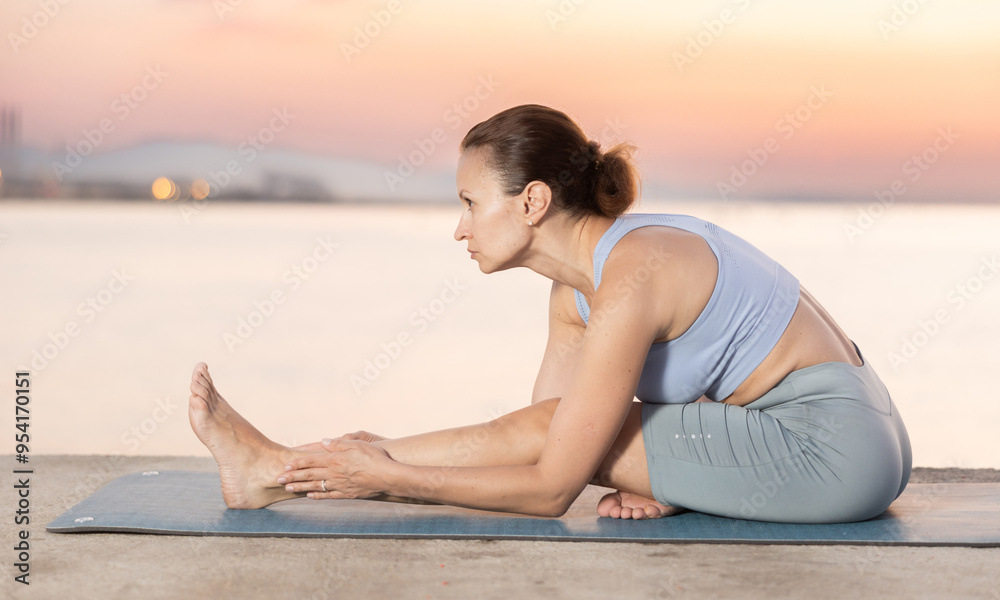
(541, 412)
(528, 424)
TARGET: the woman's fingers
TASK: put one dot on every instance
(295, 481)
(341, 468)
(294, 475)
(364, 436)
(306, 473)
(332, 494)
(319, 459)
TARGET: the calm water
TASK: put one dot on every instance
(320, 320)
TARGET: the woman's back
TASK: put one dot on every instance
(752, 302)
(742, 327)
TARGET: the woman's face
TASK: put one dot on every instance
(495, 231)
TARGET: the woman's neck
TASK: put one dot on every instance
(563, 250)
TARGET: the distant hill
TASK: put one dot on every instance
(278, 174)
(272, 173)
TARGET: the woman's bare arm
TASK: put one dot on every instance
(585, 423)
(564, 346)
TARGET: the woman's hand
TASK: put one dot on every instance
(348, 469)
(364, 436)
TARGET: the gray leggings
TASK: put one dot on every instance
(825, 445)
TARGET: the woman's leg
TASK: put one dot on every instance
(249, 463)
(825, 445)
(518, 438)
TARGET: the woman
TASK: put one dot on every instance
(753, 403)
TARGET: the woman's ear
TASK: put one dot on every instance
(536, 200)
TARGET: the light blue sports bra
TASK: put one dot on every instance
(752, 303)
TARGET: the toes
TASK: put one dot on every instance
(199, 389)
(201, 374)
(615, 505)
(197, 402)
(633, 513)
(202, 379)
(608, 503)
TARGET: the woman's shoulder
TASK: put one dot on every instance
(667, 248)
(671, 272)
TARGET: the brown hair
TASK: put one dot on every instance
(535, 143)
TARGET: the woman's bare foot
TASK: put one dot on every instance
(625, 505)
(249, 463)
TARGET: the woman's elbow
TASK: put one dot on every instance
(554, 492)
(558, 503)
(552, 510)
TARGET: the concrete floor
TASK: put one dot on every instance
(109, 566)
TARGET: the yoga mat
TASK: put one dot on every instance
(190, 503)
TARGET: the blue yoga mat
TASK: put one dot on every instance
(190, 503)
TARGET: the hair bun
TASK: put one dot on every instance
(536, 143)
(594, 153)
(617, 181)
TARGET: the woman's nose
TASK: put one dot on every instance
(461, 232)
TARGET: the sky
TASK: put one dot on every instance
(737, 99)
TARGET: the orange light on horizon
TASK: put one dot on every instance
(164, 189)
(199, 189)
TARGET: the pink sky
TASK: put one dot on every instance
(888, 91)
